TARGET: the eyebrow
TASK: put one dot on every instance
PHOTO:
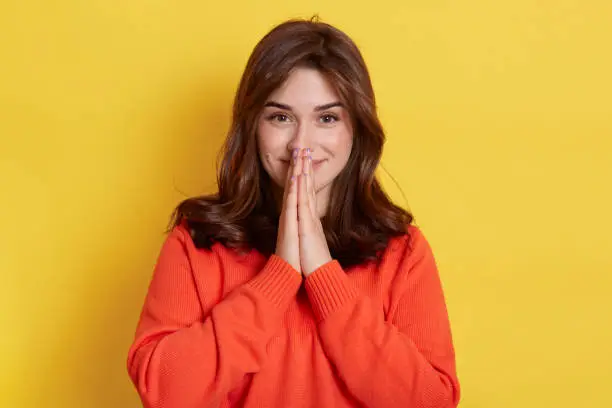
(317, 108)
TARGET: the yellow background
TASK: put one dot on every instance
(498, 117)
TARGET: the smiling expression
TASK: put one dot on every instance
(305, 112)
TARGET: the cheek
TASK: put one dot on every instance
(342, 145)
(270, 149)
(265, 148)
(262, 138)
(269, 138)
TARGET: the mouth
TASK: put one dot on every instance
(315, 163)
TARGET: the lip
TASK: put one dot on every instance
(315, 163)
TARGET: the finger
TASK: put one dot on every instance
(291, 203)
(290, 173)
(299, 163)
(291, 200)
(310, 188)
(308, 171)
(303, 207)
(288, 176)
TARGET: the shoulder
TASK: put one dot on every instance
(181, 241)
(411, 244)
(180, 233)
(409, 256)
(179, 244)
(178, 241)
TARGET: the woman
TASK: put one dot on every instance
(299, 283)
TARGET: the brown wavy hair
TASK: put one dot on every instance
(243, 214)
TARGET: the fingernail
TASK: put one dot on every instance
(295, 152)
(292, 179)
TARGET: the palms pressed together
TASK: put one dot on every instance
(301, 240)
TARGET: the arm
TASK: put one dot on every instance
(407, 360)
(184, 358)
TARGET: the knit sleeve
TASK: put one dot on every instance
(405, 359)
(184, 358)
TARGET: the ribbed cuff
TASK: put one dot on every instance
(278, 281)
(329, 289)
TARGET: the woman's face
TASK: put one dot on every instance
(305, 112)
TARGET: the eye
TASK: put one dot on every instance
(328, 118)
(279, 117)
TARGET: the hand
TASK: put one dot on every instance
(314, 251)
(287, 241)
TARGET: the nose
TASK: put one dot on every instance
(300, 139)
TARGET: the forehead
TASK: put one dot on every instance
(305, 88)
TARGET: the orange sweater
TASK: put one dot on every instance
(223, 330)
